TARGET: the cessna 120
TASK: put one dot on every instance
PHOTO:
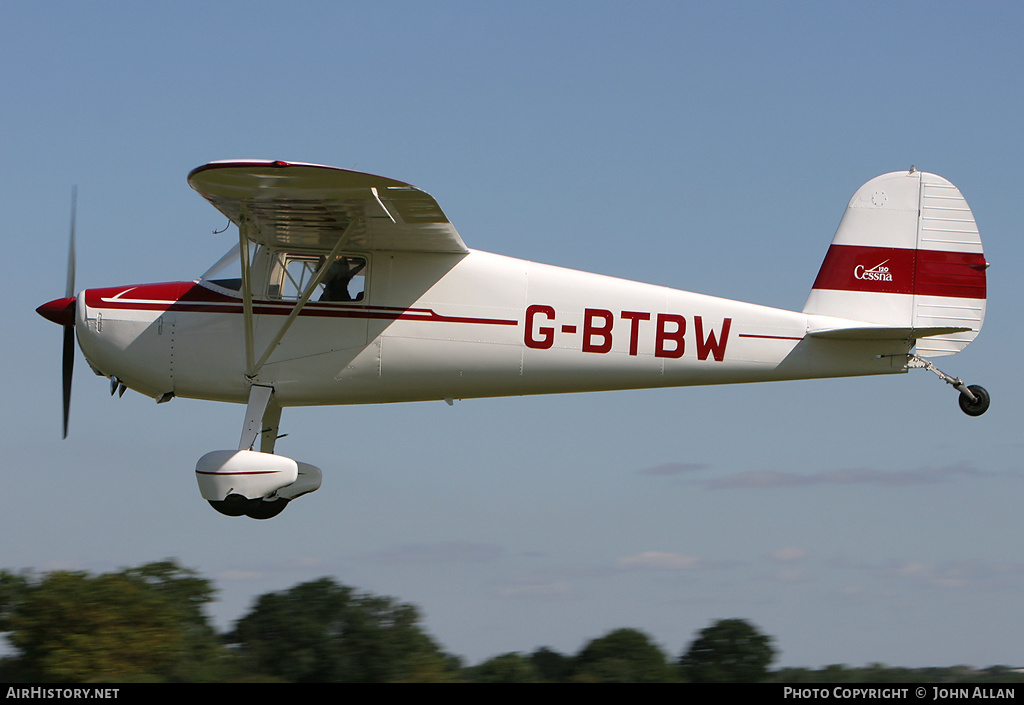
(349, 288)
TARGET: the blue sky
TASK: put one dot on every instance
(707, 147)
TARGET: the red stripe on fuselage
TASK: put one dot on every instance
(769, 337)
(193, 298)
(892, 270)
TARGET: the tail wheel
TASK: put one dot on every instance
(979, 405)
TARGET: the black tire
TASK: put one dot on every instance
(977, 407)
(267, 510)
(234, 505)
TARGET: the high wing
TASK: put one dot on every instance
(310, 206)
(320, 208)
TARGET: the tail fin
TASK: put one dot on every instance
(907, 255)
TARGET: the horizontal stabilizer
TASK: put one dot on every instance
(884, 332)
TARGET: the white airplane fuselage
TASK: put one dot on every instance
(435, 326)
(351, 288)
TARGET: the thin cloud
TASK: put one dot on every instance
(290, 566)
(789, 575)
(673, 469)
(538, 591)
(435, 553)
(852, 476)
(240, 575)
(960, 574)
(659, 560)
(789, 554)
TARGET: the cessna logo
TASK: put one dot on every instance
(878, 273)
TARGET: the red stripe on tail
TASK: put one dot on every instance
(892, 270)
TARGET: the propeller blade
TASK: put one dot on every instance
(69, 289)
(69, 367)
(62, 312)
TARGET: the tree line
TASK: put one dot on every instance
(147, 624)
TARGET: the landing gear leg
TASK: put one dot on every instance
(256, 484)
(974, 399)
(260, 397)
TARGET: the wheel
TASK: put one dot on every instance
(266, 510)
(977, 407)
(234, 505)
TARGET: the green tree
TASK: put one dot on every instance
(204, 658)
(729, 651)
(72, 626)
(12, 590)
(552, 666)
(623, 656)
(505, 668)
(321, 631)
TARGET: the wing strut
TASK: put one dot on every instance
(310, 288)
(243, 245)
(253, 368)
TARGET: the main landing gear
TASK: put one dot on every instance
(974, 398)
(256, 484)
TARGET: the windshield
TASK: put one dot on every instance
(286, 275)
(227, 272)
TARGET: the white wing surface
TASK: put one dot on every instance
(309, 206)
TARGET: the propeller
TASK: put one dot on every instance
(62, 312)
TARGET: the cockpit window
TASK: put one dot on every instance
(226, 273)
(345, 279)
(286, 275)
(235, 284)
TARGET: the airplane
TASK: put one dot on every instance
(350, 288)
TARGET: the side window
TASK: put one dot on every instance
(298, 272)
(345, 279)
